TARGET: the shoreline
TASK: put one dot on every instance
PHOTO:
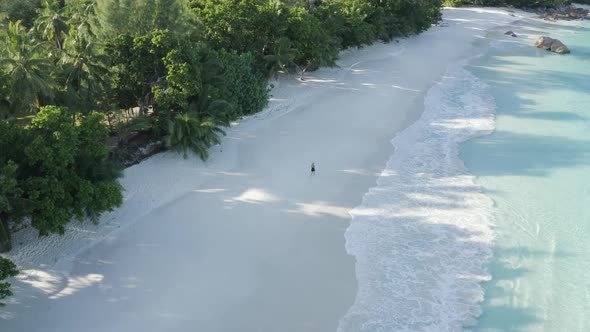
(441, 202)
(254, 172)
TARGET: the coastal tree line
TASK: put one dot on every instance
(81, 80)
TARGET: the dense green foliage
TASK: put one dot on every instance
(9, 193)
(20, 10)
(140, 17)
(63, 170)
(7, 269)
(244, 88)
(308, 34)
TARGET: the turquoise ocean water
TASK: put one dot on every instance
(536, 168)
(481, 217)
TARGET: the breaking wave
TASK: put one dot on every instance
(423, 235)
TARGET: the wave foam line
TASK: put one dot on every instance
(423, 235)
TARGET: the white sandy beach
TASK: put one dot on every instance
(249, 240)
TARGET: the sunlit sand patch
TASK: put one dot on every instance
(388, 172)
(254, 195)
(363, 71)
(77, 283)
(318, 209)
(403, 88)
(41, 280)
(210, 190)
(356, 171)
(359, 171)
(369, 212)
(104, 262)
(318, 80)
(232, 173)
(6, 315)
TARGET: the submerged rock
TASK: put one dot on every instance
(544, 42)
(559, 47)
(550, 44)
(510, 33)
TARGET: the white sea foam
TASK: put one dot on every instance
(422, 236)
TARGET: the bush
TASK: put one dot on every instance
(63, 168)
(349, 18)
(4, 92)
(9, 191)
(244, 87)
(7, 269)
(69, 173)
(315, 47)
(12, 204)
(241, 25)
(314, 31)
(20, 10)
(138, 63)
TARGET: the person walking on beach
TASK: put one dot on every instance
(312, 168)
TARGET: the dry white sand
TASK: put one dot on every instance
(249, 240)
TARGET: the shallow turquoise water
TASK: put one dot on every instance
(536, 168)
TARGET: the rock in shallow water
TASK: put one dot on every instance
(550, 44)
(510, 33)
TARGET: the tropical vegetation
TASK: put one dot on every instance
(7, 269)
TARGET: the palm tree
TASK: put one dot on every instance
(199, 127)
(190, 131)
(85, 69)
(82, 15)
(211, 106)
(27, 70)
(282, 56)
(52, 23)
